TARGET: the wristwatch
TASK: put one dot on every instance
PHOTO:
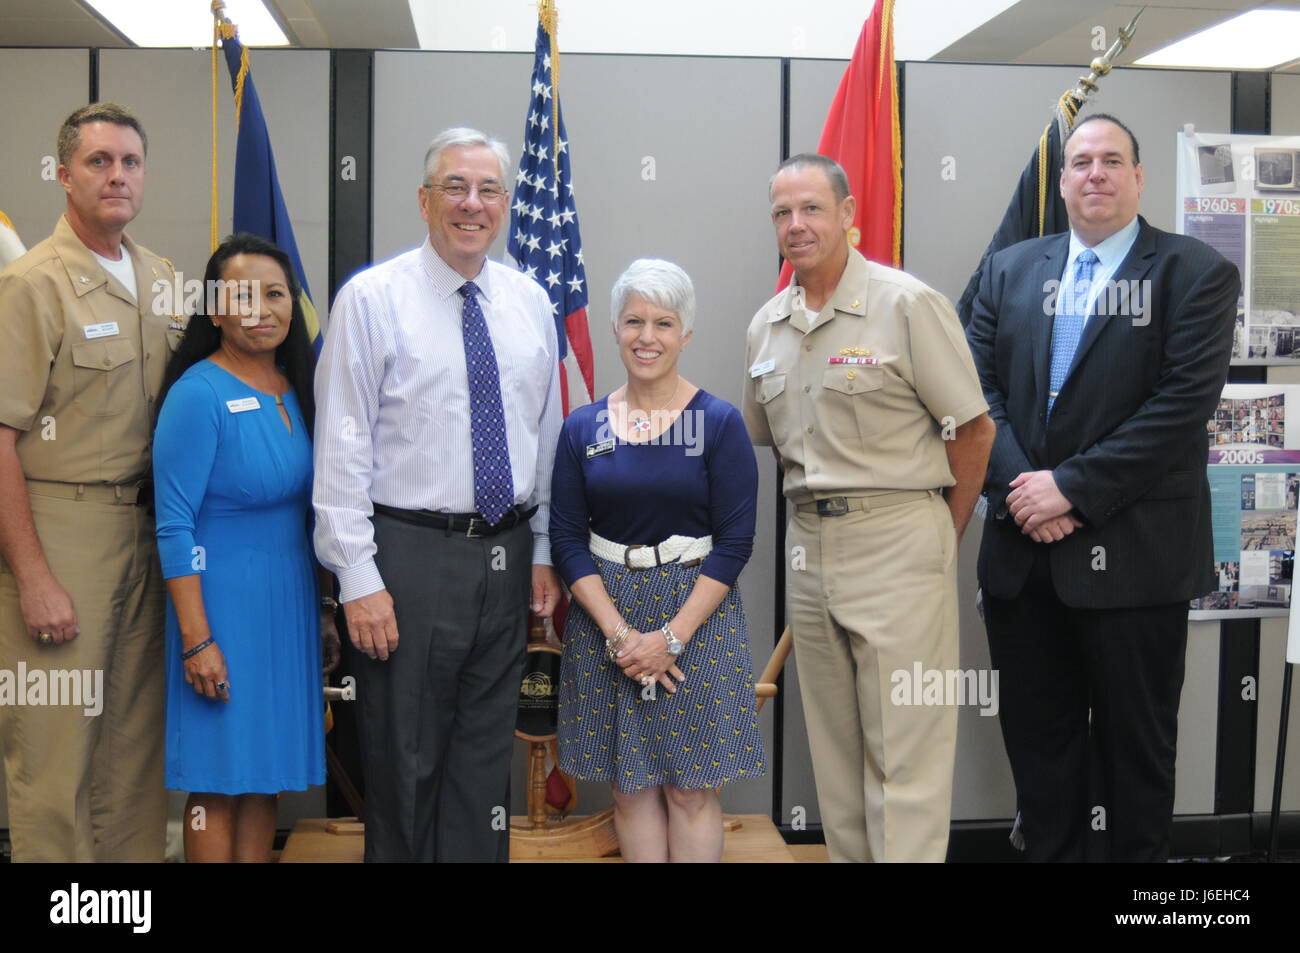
(675, 645)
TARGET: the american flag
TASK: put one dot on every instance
(544, 236)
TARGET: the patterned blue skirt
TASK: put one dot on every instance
(612, 729)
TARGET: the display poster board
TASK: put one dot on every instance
(1254, 473)
(1241, 195)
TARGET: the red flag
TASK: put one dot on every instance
(862, 135)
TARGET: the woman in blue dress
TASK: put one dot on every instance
(232, 476)
(653, 500)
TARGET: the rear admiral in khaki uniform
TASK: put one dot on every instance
(860, 378)
(82, 355)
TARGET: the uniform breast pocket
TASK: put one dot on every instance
(851, 395)
(776, 404)
(104, 376)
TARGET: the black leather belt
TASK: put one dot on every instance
(472, 525)
(842, 505)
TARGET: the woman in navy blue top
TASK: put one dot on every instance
(653, 501)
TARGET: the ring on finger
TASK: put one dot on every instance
(45, 638)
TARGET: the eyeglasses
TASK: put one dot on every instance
(487, 194)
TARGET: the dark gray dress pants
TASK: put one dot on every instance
(437, 719)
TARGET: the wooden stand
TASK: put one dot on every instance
(548, 834)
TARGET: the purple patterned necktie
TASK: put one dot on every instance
(494, 485)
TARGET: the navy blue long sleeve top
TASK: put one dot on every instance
(699, 478)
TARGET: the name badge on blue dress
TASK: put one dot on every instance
(243, 404)
(600, 449)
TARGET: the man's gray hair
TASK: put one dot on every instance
(660, 282)
(464, 136)
(834, 172)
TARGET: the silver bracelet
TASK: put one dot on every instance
(612, 645)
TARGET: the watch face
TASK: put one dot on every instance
(675, 647)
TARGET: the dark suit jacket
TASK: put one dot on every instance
(1126, 440)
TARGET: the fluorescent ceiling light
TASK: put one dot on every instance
(188, 22)
(1260, 39)
(816, 29)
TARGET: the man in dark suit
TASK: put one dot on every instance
(1102, 353)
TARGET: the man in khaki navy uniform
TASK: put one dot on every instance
(860, 378)
(82, 356)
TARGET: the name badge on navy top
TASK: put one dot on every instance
(243, 404)
(599, 449)
(107, 329)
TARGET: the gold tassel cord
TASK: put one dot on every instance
(887, 35)
(1043, 159)
(1069, 108)
(229, 31)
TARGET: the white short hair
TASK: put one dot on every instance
(464, 136)
(660, 282)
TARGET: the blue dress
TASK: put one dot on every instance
(233, 498)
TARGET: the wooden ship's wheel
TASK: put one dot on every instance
(554, 832)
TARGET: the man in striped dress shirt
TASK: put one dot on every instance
(438, 414)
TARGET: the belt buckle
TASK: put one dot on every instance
(832, 506)
(627, 554)
(469, 530)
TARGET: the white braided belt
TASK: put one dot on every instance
(674, 549)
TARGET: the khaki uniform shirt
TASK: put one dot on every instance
(860, 400)
(81, 361)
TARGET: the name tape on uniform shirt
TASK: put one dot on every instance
(765, 367)
(105, 330)
(243, 404)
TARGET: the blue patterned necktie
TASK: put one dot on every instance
(1068, 326)
(494, 485)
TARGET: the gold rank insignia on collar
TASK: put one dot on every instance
(854, 352)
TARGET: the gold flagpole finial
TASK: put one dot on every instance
(1102, 64)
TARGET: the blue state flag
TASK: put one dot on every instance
(259, 203)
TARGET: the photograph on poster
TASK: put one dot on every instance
(1254, 476)
(1241, 195)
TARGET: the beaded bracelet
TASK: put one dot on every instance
(197, 649)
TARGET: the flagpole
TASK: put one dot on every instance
(549, 15)
(218, 15)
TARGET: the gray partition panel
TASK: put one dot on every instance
(38, 89)
(417, 95)
(1285, 99)
(812, 88)
(670, 159)
(170, 90)
(984, 122)
(1272, 658)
